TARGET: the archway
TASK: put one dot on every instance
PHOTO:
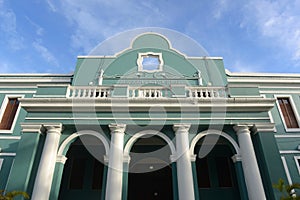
(84, 171)
(216, 173)
(150, 171)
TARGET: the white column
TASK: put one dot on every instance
(115, 163)
(43, 181)
(249, 163)
(184, 166)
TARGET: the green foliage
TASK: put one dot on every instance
(287, 191)
(11, 195)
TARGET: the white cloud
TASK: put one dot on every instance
(220, 7)
(8, 27)
(240, 66)
(5, 68)
(96, 20)
(39, 30)
(51, 5)
(279, 21)
(45, 53)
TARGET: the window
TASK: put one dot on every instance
(224, 172)
(297, 160)
(203, 173)
(9, 113)
(287, 112)
(77, 173)
(150, 62)
(97, 175)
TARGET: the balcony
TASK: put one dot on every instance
(145, 92)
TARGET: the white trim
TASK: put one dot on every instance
(3, 107)
(287, 136)
(10, 170)
(270, 115)
(69, 139)
(213, 132)
(35, 75)
(262, 80)
(140, 59)
(296, 158)
(17, 91)
(294, 110)
(7, 154)
(49, 96)
(278, 87)
(279, 92)
(18, 87)
(136, 136)
(146, 118)
(260, 74)
(286, 169)
(1, 162)
(289, 152)
(10, 137)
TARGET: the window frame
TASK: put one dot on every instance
(296, 158)
(3, 108)
(293, 106)
(140, 62)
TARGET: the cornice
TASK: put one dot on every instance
(169, 104)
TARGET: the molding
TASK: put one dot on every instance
(32, 128)
(283, 92)
(286, 169)
(7, 154)
(141, 56)
(287, 136)
(17, 91)
(170, 104)
(296, 158)
(256, 74)
(48, 96)
(61, 159)
(213, 132)
(289, 152)
(136, 136)
(236, 158)
(117, 128)
(268, 127)
(181, 128)
(146, 118)
(1, 162)
(10, 137)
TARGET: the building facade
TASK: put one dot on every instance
(149, 123)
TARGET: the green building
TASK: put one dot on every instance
(149, 123)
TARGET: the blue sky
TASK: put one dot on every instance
(45, 36)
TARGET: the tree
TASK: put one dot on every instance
(11, 195)
(287, 191)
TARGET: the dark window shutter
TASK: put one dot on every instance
(9, 114)
(288, 113)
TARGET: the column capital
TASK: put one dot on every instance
(117, 128)
(126, 159)
(236, 158)
(32, 128)
(53, 128)
(181, 128)
(241, 129)
(61, 159)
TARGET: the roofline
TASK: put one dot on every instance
(35, 75)
(257, 74)
(192, 57)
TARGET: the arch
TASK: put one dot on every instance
(136, 136)
(72, 137)
(214, 132)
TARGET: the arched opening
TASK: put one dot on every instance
(150, 172)
(83, 172)
(216, 175)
